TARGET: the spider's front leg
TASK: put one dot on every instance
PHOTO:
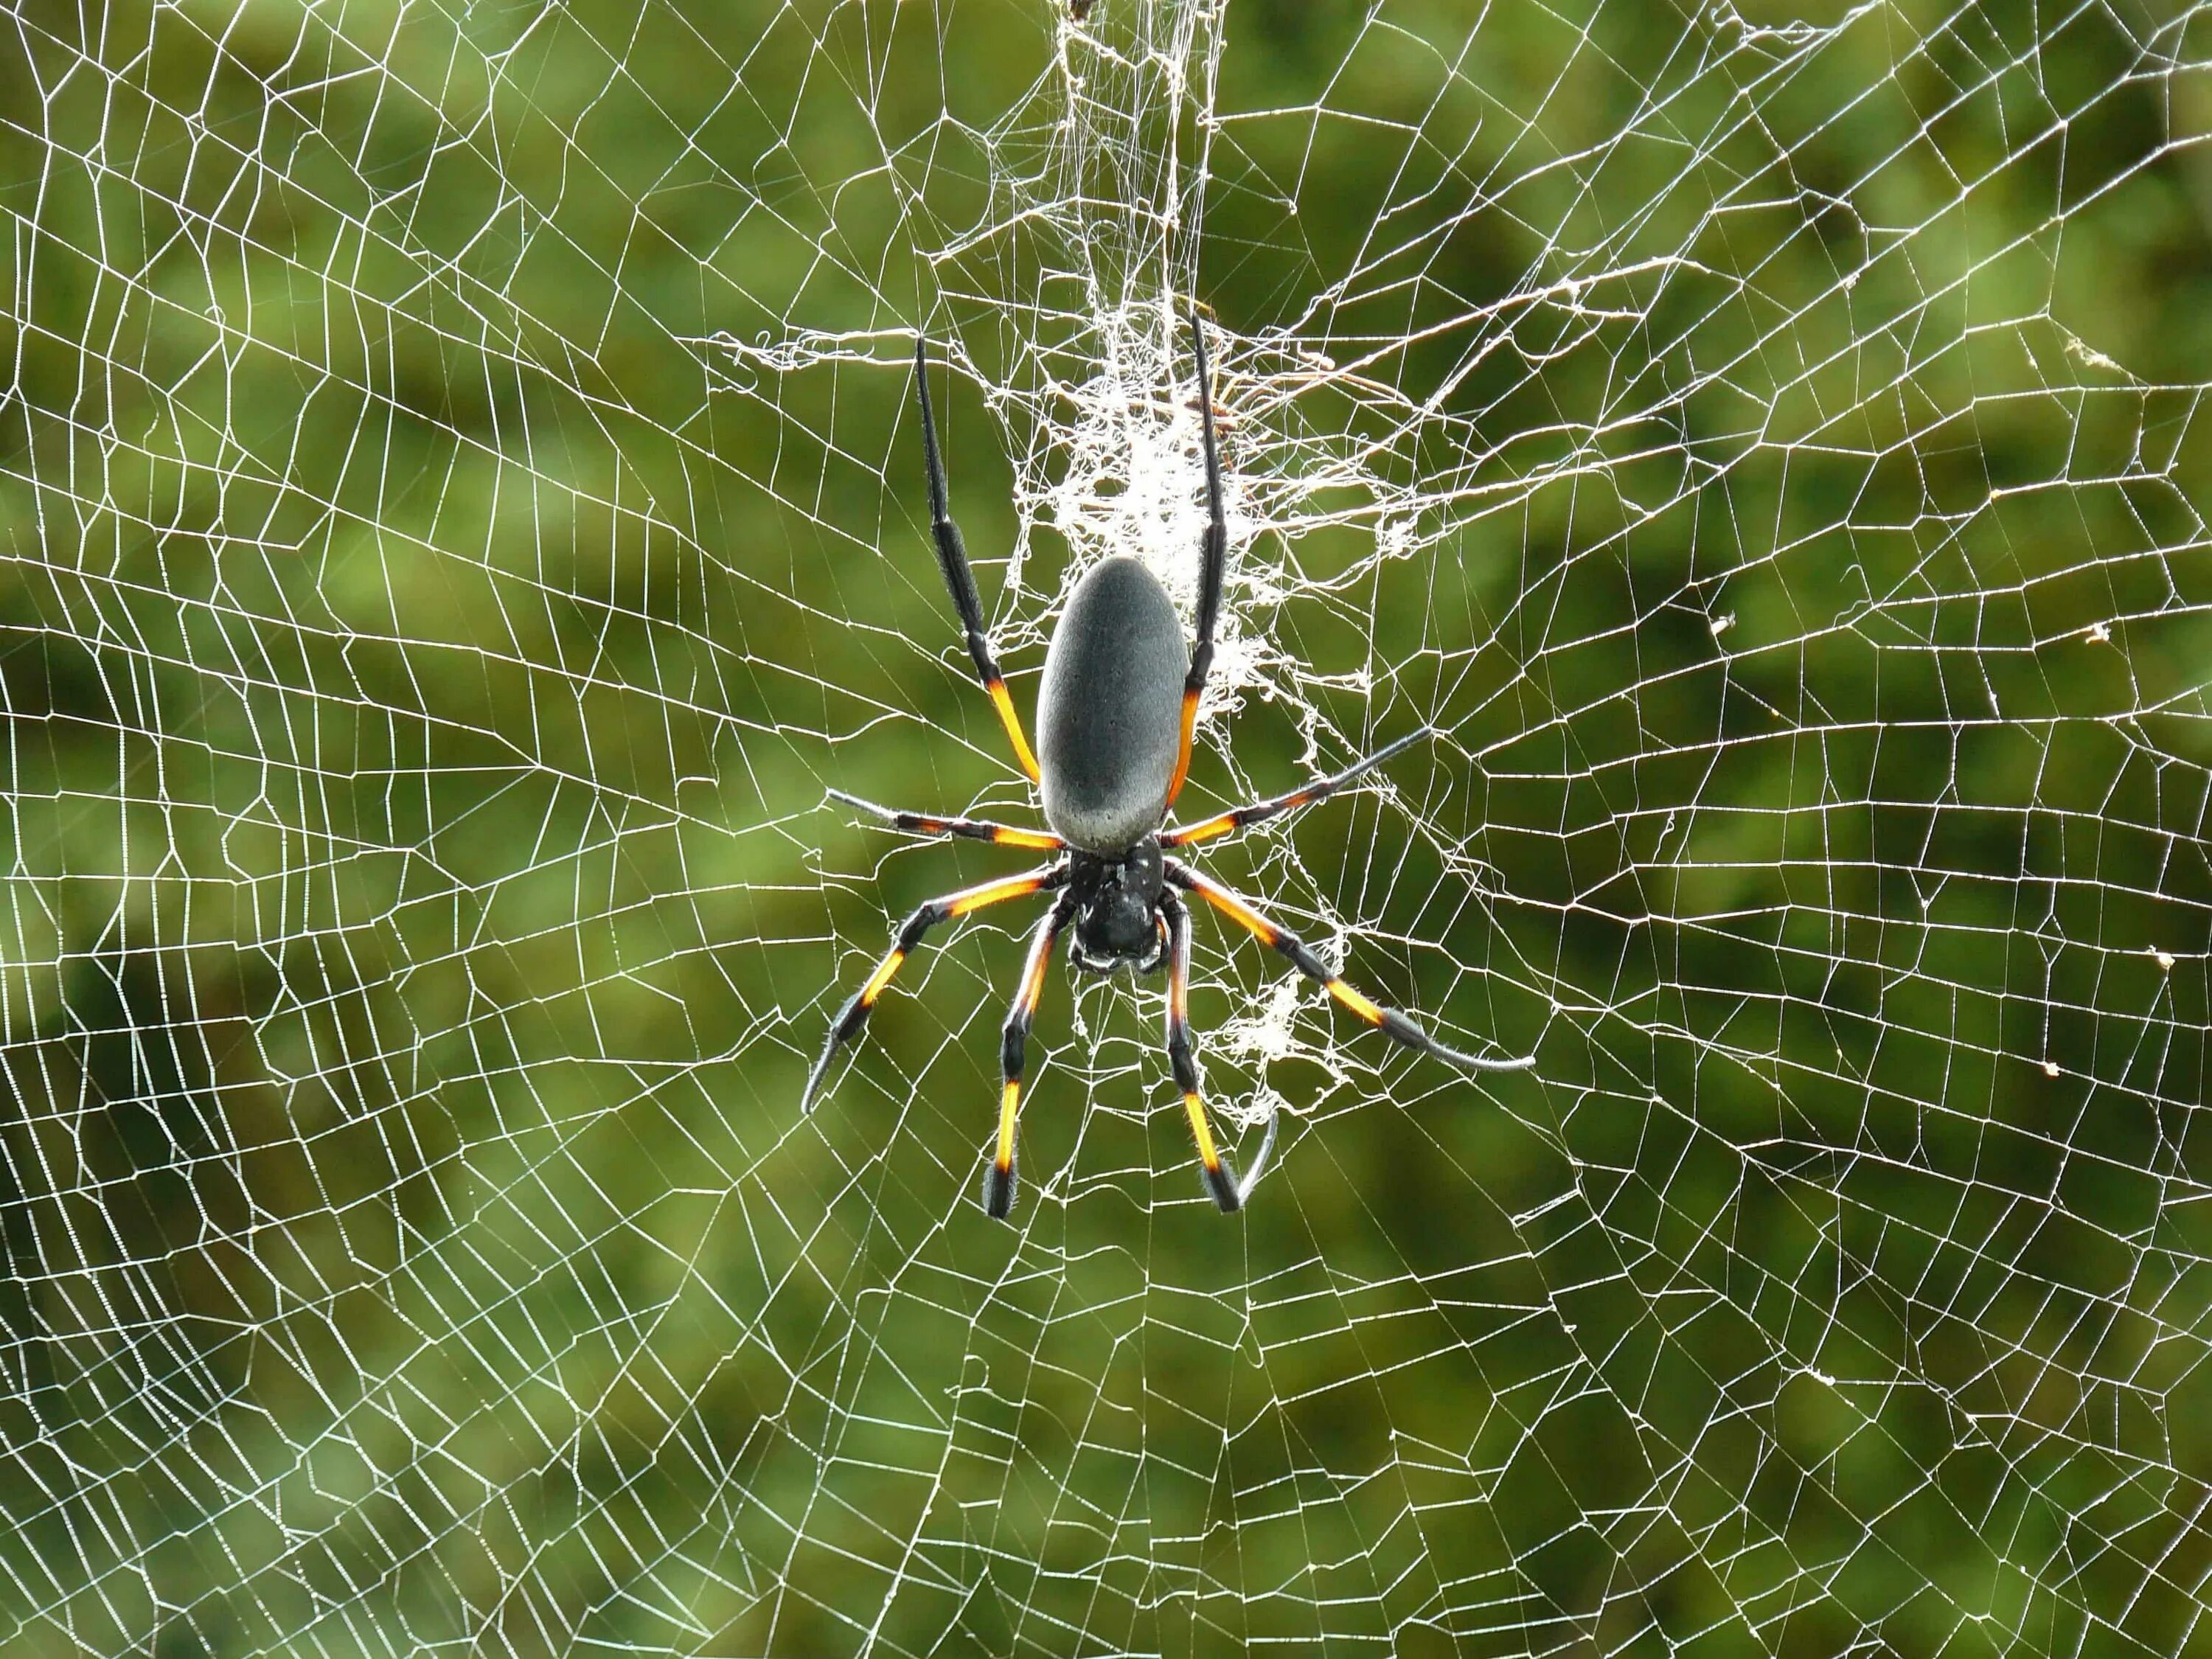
(1221, 1179)
(1013, 1045)
(854, 1014)
(1389, 1021)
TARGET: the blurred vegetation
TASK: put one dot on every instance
(425, 643)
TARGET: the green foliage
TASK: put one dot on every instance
(439, 590)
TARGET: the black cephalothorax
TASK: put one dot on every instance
(1118, 924)
(1115, 715)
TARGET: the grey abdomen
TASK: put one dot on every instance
(1109, 715)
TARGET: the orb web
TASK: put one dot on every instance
(465, 509)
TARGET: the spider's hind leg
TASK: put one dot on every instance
(1212, 565)
(952, 560)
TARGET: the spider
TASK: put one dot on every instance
(1115, 716)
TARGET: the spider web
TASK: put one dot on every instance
(465, 509)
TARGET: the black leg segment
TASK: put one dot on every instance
(1213, 561)
(1389, 1021)
(952, 559)
(1220, 1175)
(927, 823)
(854, 1014)
(1013, 1050)
(1223, 823)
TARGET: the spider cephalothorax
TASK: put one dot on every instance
(1114, 718)
(1118, 909)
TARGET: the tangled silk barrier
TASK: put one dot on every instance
(465, 514)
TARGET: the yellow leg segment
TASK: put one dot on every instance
(1182, 753)
(1010, 1101)
(1003, 701)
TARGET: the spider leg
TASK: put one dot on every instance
(1223, 823)
(952, 559)
(1014, 1043)
(1213, 561)
(925, 824)
(1221, 1179)
(1389, 1021)
(854, 1014)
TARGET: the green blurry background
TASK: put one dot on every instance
(462, 511)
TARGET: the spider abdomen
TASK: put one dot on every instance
(1109, 713)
